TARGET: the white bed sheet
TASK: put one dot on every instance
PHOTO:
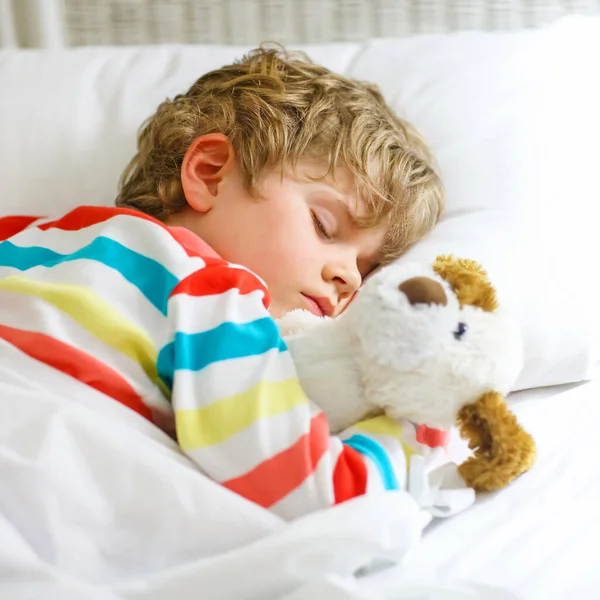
(538, 538)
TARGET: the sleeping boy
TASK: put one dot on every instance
(272, 184)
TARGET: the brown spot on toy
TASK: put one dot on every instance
(423, 290)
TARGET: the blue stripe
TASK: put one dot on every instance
(25, 258)
(194, 351)
(150, 277)
(376, 452)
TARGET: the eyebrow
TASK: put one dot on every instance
(348, 212)
(339, 201)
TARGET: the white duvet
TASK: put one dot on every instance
(97, 503)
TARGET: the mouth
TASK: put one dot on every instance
(319, 306)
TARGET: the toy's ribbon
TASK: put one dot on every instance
(433, 438)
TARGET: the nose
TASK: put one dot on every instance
(345, 277)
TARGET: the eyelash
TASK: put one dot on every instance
(321, 229)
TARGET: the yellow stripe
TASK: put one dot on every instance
(220, 420)
(383, 425)
(97, 316)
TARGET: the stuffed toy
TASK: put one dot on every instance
(428, 344)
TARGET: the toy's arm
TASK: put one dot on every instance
(240, 412)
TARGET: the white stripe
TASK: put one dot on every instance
(196, 314)
(33, 314)
(247, 449)
(374, 480)
(137, 234)
(316, 492)
(111, 286)
(229, 377)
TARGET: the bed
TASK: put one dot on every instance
(95, 503)
(132, 521)
(538, 538)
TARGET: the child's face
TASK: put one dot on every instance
(299, 236)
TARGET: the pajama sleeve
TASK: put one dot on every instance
(240, 412)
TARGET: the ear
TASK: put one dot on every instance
(206, 162)
(469, 281)
(503, 450)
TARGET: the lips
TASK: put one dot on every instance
(321, 307)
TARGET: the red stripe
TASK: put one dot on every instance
(218, 277)
(350, 475)
(10, 226)
(77, 364)
(433, 438)
(276, 477)
(86, 216)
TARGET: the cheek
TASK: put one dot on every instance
(286, 250)
(273, 240)
(287, 236)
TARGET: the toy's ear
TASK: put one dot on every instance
(468, 280)
(503, 450)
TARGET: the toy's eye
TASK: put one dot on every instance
(462, 329)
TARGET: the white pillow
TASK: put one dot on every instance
(68, 119)
(514, 121)
(512, 118)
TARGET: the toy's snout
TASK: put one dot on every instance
(423, 290)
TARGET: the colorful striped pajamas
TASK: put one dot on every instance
(151, 317)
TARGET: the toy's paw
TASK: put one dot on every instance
(502, 449)
(297, 321)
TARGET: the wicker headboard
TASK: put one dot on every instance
(56, 23)
(299, 21)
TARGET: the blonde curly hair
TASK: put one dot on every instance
(277, 108)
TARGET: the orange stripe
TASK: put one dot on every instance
(76, 364)
(350, 475)
(10, 226)
(86, 216)
(276, 477)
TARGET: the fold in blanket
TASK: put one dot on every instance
(96, 500)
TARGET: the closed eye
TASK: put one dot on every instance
(321, 229)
